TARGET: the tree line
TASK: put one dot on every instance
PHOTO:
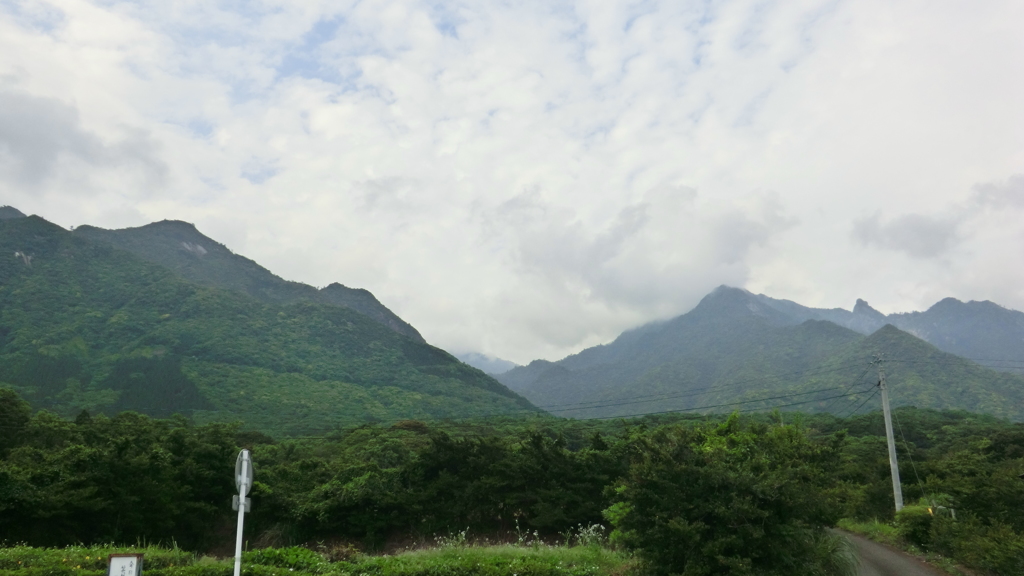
(745, 494)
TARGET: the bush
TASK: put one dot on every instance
(492, 561)
(913, 524)
(730, 499)
(294, 557)
(996, 549)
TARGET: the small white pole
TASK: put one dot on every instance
(243, 481)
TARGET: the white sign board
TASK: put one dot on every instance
(124, 565)
(247, 480)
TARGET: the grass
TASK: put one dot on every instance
(501, 560)
(874, 530)
(494, 561)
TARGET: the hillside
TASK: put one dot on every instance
(735, 347)
(180, 247)
(84, 325)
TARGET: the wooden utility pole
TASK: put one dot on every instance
(897, 490)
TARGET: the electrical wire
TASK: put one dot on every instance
(735, 384)
(910, 456)
(677, 411)
(855, 410)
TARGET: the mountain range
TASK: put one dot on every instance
(982, 331)
(740, 351)
(162, 320)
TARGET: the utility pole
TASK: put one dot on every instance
(897, 490)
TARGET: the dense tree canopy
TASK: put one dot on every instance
(741, 493)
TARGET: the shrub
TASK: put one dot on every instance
(294, 557)
(996, 549)
(913, 524)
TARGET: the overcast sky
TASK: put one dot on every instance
(525, 179)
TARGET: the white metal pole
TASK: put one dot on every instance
(241, 512)
(897, 490)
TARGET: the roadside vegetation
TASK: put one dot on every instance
(696, 495)
(540, 560)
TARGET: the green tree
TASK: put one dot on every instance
(15, 414)
(728, 499)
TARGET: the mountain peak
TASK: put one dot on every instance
(947, 304)
(728, 302)
(10, 213)
(864, 309)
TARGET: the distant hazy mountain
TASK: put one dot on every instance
(180, 247)
(488, 364)
(87, 325)
(983, 331)
(738, 346)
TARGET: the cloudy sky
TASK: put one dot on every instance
(526, 179)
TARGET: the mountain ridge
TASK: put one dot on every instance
(982, 330)
(181, 247)
(733, 336)
(10, 213)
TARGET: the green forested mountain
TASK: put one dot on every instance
(733, 347)
(9, 212)
(87, 326)
(180, 247)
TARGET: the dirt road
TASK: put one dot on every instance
(879, 560)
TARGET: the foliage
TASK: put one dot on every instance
(15, 414)
(913, 524)
(21, 556)
(292, 557)
(115, 479)
(495, 561)
(952, 462)
(873, 529)
(90, 327)
(993, 547)
(475, 561)
(726, 499)
(762, 487)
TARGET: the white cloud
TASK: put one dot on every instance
(918, 235)
(526, 179)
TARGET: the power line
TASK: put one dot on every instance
(590, 404)
(643, 414)
(909, 455)
(684, 410)
(735, 384)
(870, 396)
(859, 378)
